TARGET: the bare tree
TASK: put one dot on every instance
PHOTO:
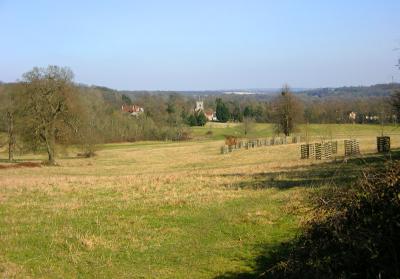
(247, 125)
(91, 116)
(396, 99)
(288, 112)
(396, 103)
(49, 99)
(9, 110)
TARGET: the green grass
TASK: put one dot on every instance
(138, 241)
(219, 130)
(161, 209)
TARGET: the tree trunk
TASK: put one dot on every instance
(50, 152)
(50, 144)
(11, 136)
(287, 130)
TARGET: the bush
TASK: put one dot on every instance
(197, 119)
(357, 237)
(192, 120)
(201, 119)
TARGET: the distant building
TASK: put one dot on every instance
(352, 116)
(132, 109)
(199, 106)
(210, 114)
(372, 117)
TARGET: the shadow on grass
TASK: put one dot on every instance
(338, 172)
(24, 160)
(270, 256)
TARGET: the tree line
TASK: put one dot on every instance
(46, 110)
(314, 110)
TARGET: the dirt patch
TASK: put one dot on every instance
(21, 165)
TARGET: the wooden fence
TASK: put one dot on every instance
(231, 146)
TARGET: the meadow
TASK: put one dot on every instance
(166, 209)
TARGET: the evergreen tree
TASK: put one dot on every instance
(248, 111)
(192, 121)
(201, 119)
(126, 100)
(236, 113)
(222, 111)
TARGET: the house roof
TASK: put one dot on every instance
(209, 113)
(131, 108)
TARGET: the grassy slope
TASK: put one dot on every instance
(314, 130)
(170, 210)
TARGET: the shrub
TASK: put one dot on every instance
(357, 237)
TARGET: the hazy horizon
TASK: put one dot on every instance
(186, 46)
(233, 90)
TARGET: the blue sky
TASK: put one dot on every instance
(204, 44)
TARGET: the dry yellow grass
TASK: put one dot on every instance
(131, 210)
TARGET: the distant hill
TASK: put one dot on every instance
(378, 90)
(348, 92)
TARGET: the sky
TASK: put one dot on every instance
(204, 44)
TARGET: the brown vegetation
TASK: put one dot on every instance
(20, 165)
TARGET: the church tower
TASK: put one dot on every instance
(199, 106)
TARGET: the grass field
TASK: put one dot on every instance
(164, 210)
(315, 131)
